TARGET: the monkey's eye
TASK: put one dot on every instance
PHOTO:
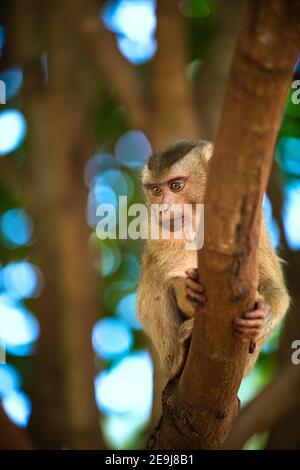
(176, 186)
(156, 190)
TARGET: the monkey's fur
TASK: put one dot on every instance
(163, 308)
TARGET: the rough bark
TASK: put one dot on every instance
(64, 408)
(199, 408)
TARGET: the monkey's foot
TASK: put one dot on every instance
(250, 325)
(194, 288)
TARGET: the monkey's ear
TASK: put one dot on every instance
(208, 151)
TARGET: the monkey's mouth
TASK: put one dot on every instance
(172, 223)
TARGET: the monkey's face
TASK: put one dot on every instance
(181, 185)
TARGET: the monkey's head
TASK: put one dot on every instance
(177, 174)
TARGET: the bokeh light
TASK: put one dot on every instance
(133, 376)
(132, 266)
(101, 161)
(121, 430)
(111, 338)
(116, 290)
(13, 79)
(126, 309)
(110, 259)
(99, 194)
(18, 326)
(2, 39)
(272, 227)
(133, 149)
(21, 280)
(12, 130)
(290, 216)
(17, 407)
(251, 385)
(137, 52)
(288, 155)
(9, 380)
(117, 180)
(16, 227)
(134, 22)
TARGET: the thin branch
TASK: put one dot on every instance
(101, 44)
(267, 409)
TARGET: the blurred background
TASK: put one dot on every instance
(88, 89)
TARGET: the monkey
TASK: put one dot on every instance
(169, 288)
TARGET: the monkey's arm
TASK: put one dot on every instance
(162, 320)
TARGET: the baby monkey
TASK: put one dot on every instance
(169, 287)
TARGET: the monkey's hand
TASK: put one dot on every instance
(250, 325)
(194, 289)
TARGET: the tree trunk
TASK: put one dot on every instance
(64, 408)
(198, 409)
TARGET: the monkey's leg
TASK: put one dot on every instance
(182, 348)
(194, 289)
(251, 325)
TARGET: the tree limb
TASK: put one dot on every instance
(101, 44)
(213, 78)
(199, 408)
(172, 100)
(267, 409)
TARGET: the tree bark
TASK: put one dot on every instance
(199, 408)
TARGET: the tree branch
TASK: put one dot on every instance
(267, 409)
(212, 82)
(101, 44)
(172, 100)
(199, 408)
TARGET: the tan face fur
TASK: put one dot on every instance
(181, 183)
